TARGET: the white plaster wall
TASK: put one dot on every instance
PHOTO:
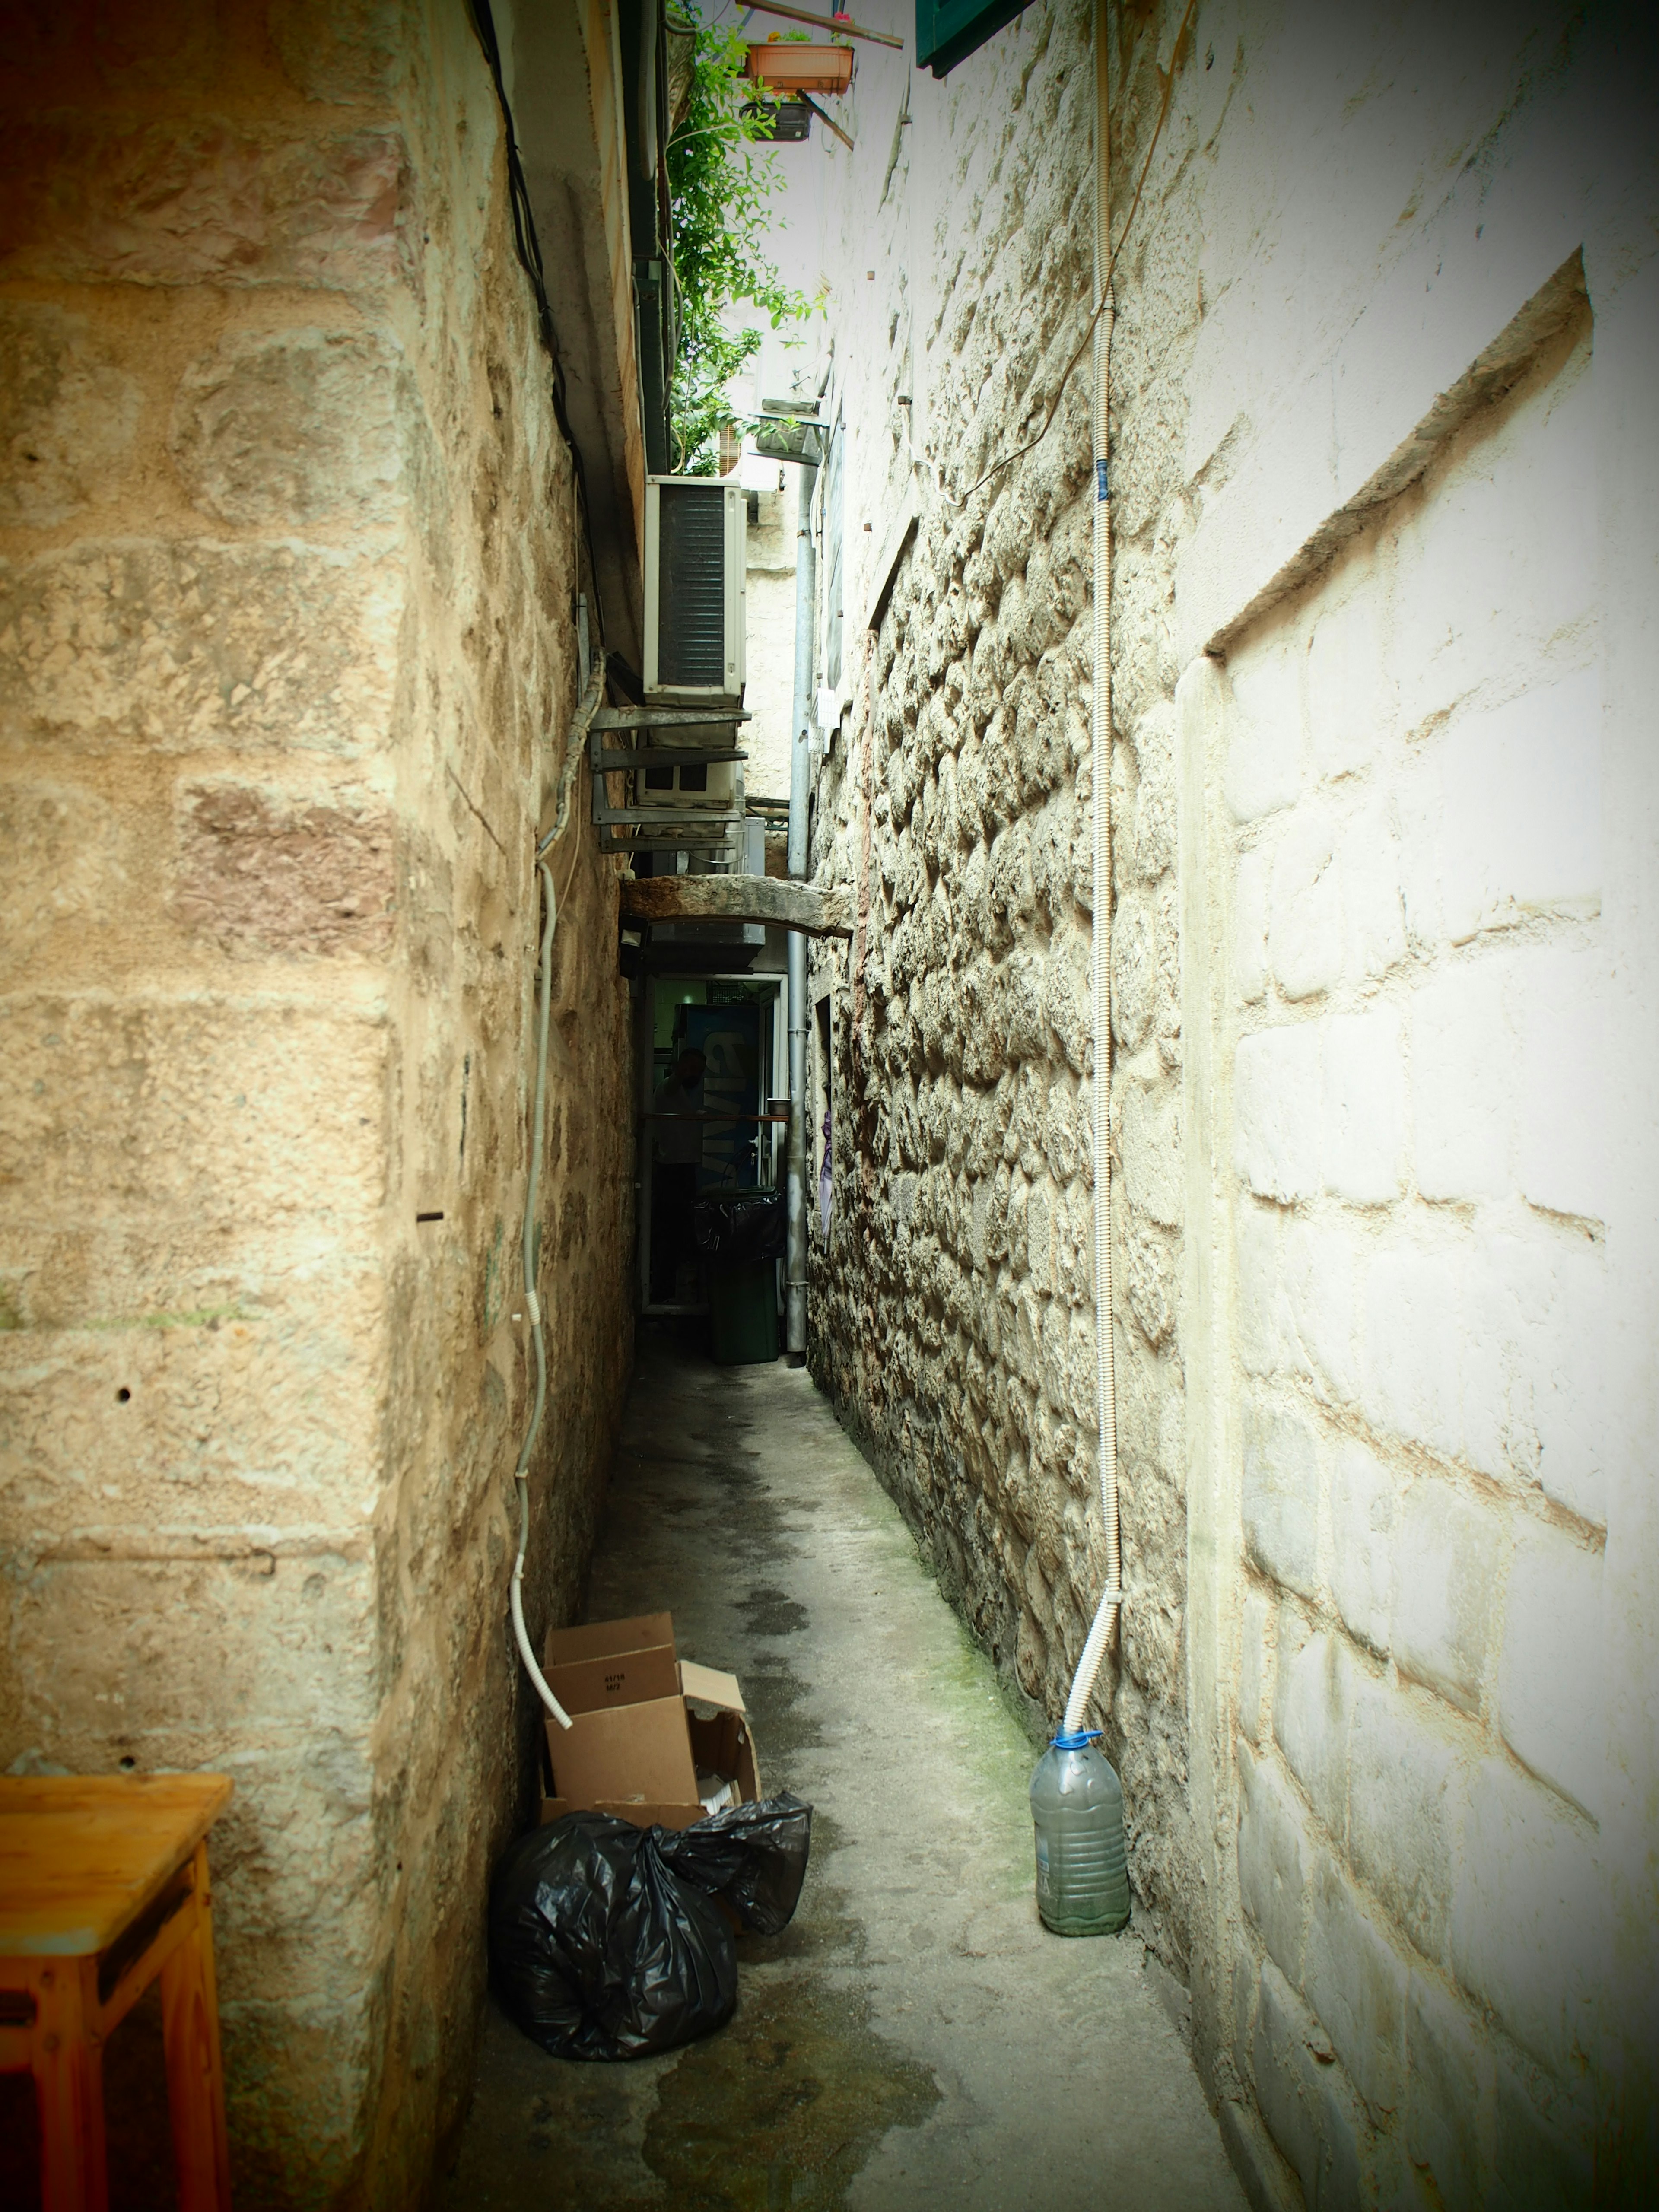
(1404, 764)
(1414, 979)
(770, 691)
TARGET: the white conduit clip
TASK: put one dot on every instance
(1105, 1621)
(579, 725)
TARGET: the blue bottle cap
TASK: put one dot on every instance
(1075, 1742)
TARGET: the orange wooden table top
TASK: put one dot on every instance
(81, 1855)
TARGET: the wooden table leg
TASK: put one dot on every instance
(68, 2064)
(195, 2082)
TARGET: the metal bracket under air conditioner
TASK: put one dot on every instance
(709, 832)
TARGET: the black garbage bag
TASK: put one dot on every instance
(606, 1940)
(753, 1856)
(731, 1227)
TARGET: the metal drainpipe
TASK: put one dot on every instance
(806, 608)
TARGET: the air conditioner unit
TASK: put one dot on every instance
(694, 538)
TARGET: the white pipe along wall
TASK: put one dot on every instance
(1105, 1621)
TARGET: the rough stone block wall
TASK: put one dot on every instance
(285, 662)
(953, 1304)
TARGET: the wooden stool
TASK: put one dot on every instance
(104, 1885)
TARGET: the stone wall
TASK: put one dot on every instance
(1383, 977)
(287, 656)
(953, 1304)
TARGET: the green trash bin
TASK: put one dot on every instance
(743, 1313)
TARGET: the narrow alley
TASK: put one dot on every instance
(914, 2038)
(849, 827)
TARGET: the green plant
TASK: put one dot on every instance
(720, 184)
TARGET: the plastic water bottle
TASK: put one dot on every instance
(1082, 1862)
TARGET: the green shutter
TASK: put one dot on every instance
(948, 31)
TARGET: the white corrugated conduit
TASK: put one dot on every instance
(533, 1189)
(1099, 1638)
(1098, 1641)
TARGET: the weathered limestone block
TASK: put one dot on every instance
(1249, 944)
(1449, 2090)
(1264, 770)
(1404, 1802)
(1148, 1137)
(1276, 1099)
(1362, 1122)
(1305, 2098)
(1313, 1698)
(1367, 862)
(1527, 1917)
(1319, 1268)
(1136, 976)
(102, 1638)
(1155, 813)
(1356, 1983)
(1544, 2138)
(1255, 1662)
(1281, 1498)
(1411, 1374)
(1349, 688)
(1264, 1323)
(1364, 1510)
(187, 1109)
(1273, 1858)
(351, 56)
(185, 643)
(1443, 1602)
(1534, 1387)
(1560, 1101)
(104, 1373)
(205, 202)
(67, 415)
(260, 873)
(298, 427)
(1150, 1283)
(1539, 848)
(1463, 1085)
(1305, 908)
(62, 859)
(1550, 1676)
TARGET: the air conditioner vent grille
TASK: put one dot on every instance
(690, 587)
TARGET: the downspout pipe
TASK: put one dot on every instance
(1101, 1632)
(795, 1212)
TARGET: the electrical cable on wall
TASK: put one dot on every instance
(1105, 288)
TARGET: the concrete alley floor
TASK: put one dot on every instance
(914, 2038)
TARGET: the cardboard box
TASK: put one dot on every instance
(636, 1746)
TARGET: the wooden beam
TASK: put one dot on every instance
(669, 718)
(739, 898)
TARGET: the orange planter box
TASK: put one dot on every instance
(791, 68)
